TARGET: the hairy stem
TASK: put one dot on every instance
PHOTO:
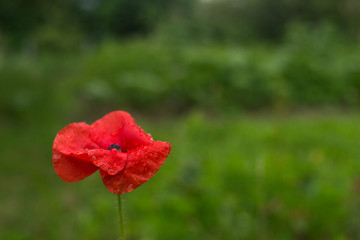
(122, 231)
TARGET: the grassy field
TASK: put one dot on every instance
(227, 177)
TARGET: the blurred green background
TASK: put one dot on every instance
(259, 99)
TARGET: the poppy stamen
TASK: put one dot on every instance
(114, 145)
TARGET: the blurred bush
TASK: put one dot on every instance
(313, 68)
(217, 21)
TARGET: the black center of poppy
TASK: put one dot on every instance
(114, 145)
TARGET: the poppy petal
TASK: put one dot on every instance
(119, 127)
(111, 162)
(70, 160)
(142, 164)
(71, 169)
(74, 139)
(133, 136)
(109, 127)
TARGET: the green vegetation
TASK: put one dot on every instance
(240, 177)
(233, 85)
(229, 176)
(66, 25)
(311, 69)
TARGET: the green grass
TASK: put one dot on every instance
(227, 177)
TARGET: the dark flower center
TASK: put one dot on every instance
(114, 145)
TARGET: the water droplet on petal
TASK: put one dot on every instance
(150, 154)
(145, 148)
(111, 171)
(93, 159)
(137, 155)
(113, 134)
(144, 164)
(115, 165)
(95, 138)
(113, 151)
(88, 144)
(157, 147)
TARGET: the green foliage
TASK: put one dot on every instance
(43, 23)
(238, 177)
(233, 177)
(313, 68)
(247, 21)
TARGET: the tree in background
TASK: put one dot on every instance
(66, 24)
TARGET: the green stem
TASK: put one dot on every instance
(122, 231)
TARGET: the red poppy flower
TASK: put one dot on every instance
(126, 156)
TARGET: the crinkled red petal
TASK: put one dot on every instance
(79, 150)
(70, 159)
(142, 164)
(133, 136)
(74, 139)
(71, 169)
(111, 162)
(119, 127)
